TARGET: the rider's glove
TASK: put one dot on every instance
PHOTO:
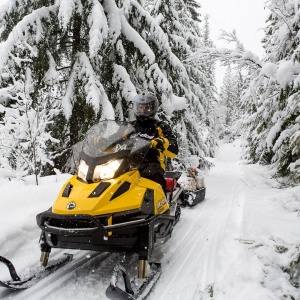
(160, 143)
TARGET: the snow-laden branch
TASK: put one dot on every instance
(137, 40)
(98, 28)
(231, 37)
(122, 79)
(66, 9)
(95, 93)
(226, 56)
(113, 19)
(51, 77)
(22, 31)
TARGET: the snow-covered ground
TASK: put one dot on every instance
(237, 244)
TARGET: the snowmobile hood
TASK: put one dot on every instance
(115, 195)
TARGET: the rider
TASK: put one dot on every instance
(163, 141)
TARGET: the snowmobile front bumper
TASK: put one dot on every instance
(86, 232)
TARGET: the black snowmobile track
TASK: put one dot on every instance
(18, 284)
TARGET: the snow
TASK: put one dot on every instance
(285, 73)
(178, 103)
(98, 28)
(122, 78)
(269, 69)
(51, 76)
(113, 18)
(66, 9)
(20, 33)
(137, 40)
(233, 245)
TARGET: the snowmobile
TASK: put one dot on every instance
(107, 206)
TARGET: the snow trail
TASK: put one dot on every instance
(225, 248)
(206, 233)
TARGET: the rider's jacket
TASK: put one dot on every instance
(151, 129)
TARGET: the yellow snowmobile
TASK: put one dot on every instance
(107, 205)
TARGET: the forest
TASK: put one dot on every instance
(67, 64)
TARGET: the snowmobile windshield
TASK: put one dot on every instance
(112, 139)
(109, 137)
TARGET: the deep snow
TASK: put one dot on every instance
(233, 245)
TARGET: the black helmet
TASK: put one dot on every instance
(145, 106)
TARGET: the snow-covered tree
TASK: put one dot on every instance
(193, 82)
(230, 100)
(280, 90)
(97, 55)
(48, 36)
(24, 138)
(230, 95)
(272, 98)
(210, 93)
(194, 8)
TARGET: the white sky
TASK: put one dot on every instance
(247, 17)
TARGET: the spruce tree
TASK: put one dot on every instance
(91, 57)
(278, 111)
(230, 96)
(194, 83)
(270, 101)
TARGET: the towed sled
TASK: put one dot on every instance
(193, 187)
(107, 206)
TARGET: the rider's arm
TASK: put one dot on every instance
(165, 131)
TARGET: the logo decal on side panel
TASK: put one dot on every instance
(71, 205)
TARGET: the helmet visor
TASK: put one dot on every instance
(144, 108)
(145, 105)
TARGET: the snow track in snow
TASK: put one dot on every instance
(57, 280)
(203, 235)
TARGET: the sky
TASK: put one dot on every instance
(247, 17)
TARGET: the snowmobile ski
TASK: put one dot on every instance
(19, 283)
(136, 289)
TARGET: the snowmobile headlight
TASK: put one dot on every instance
(106, 171)
(83, 170)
